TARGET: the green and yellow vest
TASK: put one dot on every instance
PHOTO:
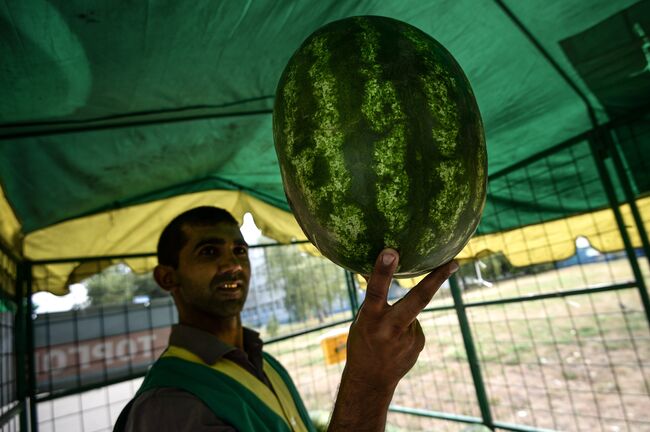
(232, 393)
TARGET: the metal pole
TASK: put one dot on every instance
(617, 157)
(599, 153)
(472, 358)
(31, 363)
(352, 292)
(20, 345)
(126, 121)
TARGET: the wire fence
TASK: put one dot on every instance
(577, 362)
(10, 404)
(559, 345)
(99, 350)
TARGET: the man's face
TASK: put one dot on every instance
(213, 270)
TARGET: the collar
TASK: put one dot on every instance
(210, 348)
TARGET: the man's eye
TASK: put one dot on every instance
(241, 250)
(209, 251)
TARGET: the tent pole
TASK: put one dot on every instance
(20, 347)
(30, 341)
(614, 150)
(470, 350)
(599, 153)
(352, 292)
(119, 122)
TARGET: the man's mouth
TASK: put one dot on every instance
(231, 290)
(230, 285)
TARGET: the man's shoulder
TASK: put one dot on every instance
(170, 409)
(163, 395)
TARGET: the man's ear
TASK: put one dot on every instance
(165, 277)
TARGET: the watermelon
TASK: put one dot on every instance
(380, 144)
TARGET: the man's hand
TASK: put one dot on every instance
(383, 344)
(385, 341)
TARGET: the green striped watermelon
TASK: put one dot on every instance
(380, 144)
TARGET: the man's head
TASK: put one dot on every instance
(173, 238)
(203, 262)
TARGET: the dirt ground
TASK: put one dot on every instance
(578, 363)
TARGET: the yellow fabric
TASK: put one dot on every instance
(556, 240)
(285, 398)
(9, 225)
(280, 404)
(136, 230)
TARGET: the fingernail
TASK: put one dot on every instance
(453, 267)
(387, 258)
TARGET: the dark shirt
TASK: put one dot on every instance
(170, 409)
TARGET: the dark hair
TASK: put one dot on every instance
(173, 238)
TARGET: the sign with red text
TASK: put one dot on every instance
(98, 360)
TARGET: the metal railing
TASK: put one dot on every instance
(557, 346)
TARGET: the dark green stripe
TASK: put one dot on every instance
(383, 109)
(447, 207)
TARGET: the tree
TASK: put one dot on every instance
(312, 284)
(145, 285)
(272, 326)
(114, 285)
(118, 284)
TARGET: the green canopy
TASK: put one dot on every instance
(108, 106)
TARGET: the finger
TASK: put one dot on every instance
(419, 335)
(379, 282)
(420, 296)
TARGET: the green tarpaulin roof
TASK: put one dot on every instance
(106, 105)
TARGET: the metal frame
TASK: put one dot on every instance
(21, 346)
(602, 148)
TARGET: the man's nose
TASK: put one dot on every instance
(230, 264)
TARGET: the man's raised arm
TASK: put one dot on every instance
(383, 345)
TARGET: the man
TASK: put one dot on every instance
(214, 376)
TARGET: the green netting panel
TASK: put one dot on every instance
(441, 380)
(576, 363)
(403, 422)
(10, 404)
(544, 195)
(562, 345)
(81, 353)
(561, 184)
(571, 362)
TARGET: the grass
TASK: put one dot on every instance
(569, 278)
